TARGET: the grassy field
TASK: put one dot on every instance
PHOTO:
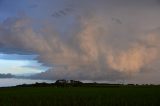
(80, 96)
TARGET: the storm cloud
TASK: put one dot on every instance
(96, 40)
(6, 76)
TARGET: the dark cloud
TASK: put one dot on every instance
(6, 76)
(17, 57)
(118, 21)
(33, 6)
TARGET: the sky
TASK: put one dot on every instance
(99, 40)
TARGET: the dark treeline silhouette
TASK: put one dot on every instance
(58, 83)
(68, 83)
(75, 83)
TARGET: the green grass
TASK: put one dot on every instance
(80, 96)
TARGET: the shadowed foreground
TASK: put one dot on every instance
(80, 96)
